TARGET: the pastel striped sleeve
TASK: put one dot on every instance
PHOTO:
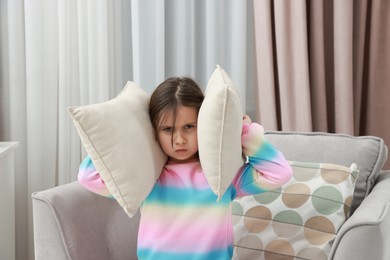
(90, 178)
(266, 168)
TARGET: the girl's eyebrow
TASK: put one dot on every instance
(191, 123)
(164, 126)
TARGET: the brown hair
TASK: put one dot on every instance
(170, 94)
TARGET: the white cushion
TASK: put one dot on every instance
(118, 136)
(219, 132)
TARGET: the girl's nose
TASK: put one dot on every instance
(179, 138)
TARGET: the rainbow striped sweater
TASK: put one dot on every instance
(181, 219)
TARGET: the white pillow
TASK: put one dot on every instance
(118, 136)
(219, 132)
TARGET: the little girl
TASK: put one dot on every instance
(180, 218)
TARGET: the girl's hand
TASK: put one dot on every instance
(247, 119)
(252, 136)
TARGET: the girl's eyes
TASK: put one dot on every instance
(167, 129)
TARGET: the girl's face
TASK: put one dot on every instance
(179, 141)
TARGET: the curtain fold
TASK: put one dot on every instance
(266, 72)
(292, 64)
(343, 66)
(322, 66)
(377, 116)
(13, 107)
(359, 38)
(316, 36)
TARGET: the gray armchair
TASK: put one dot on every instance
(71, 222)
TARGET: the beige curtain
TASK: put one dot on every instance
(324, 66)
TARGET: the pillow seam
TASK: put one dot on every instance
(221, 140)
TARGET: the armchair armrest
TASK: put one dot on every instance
(365, 235)
(71, 222)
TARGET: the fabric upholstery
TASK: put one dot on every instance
(71, 222)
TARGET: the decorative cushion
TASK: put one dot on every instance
(118, 136)
(369, 152)
(300, 219)
(219, 132)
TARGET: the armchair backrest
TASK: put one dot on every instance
(369, 152)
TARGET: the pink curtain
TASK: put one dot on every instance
(324, 66)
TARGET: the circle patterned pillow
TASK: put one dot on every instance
(298, 220)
